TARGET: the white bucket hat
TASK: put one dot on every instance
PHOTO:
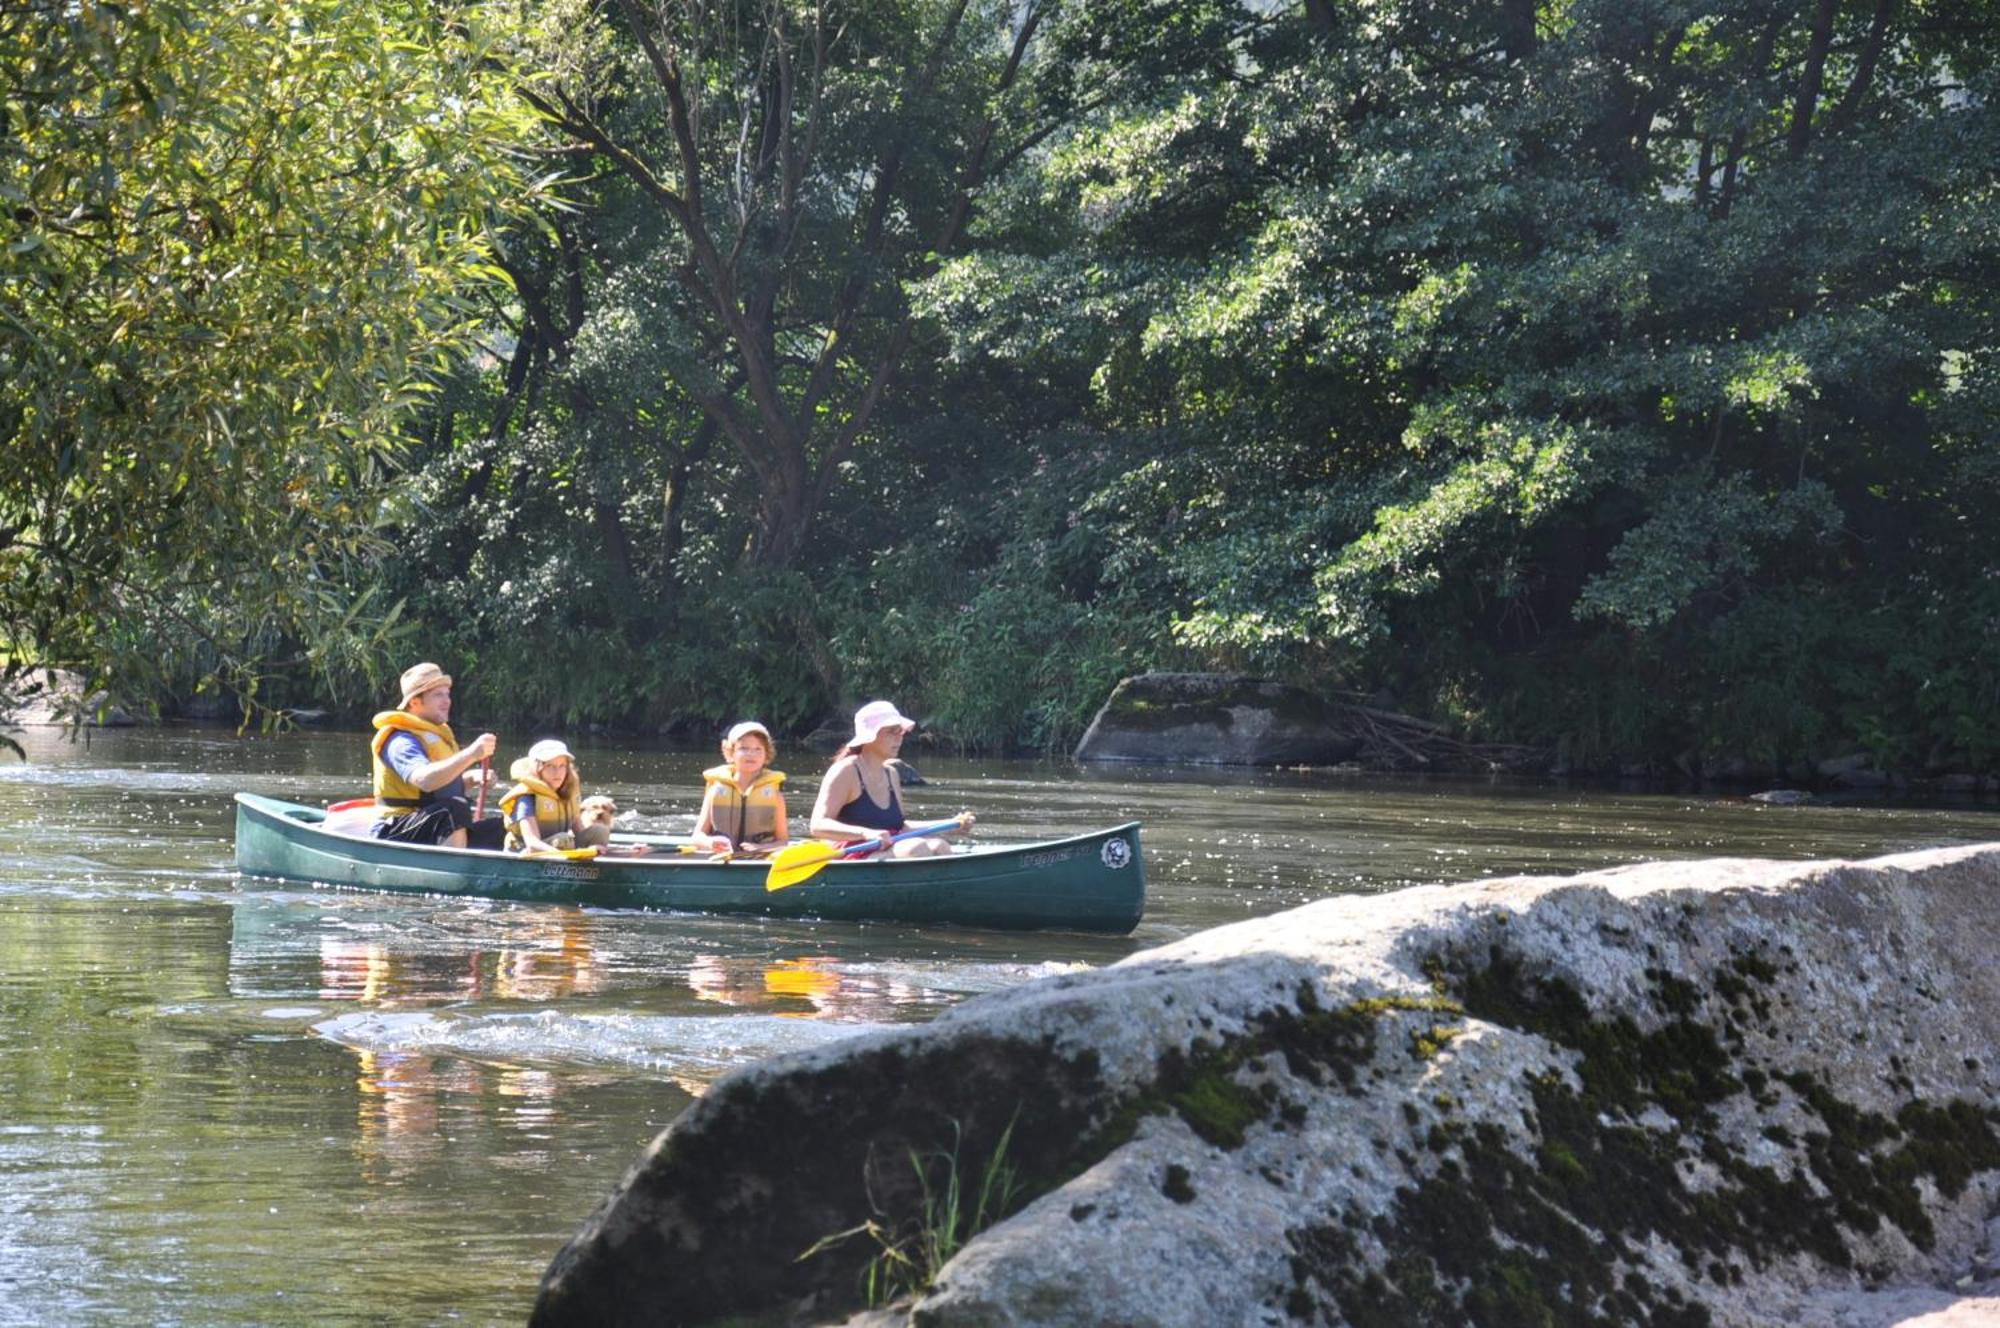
(748, 726)
(548, 749)
(872, 718)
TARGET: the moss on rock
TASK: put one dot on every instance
(1494, 1236)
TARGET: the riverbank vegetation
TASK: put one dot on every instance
(241, 241)
(1618, 379)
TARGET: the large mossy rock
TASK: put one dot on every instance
(1723, 1093)
(1215, 719)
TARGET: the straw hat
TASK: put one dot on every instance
(421, 678)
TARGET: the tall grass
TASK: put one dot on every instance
(912, 1248)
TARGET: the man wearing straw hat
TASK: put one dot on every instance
(420, 771)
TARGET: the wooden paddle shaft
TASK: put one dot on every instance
(485, 773)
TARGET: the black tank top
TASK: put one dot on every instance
(869, 814)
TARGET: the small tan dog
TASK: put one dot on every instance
(593, 821)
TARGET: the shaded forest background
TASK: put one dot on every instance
(1618, 377)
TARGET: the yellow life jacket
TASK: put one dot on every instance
(747, 816)
(554, 812)
(394, 795)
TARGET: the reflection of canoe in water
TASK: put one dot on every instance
(1092, 882)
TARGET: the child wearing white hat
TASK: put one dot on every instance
(743, 807)
(541, 809)
(546, 808)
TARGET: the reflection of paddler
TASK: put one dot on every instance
(534, 1093)
(540, 972)
(803, 978)
(748, 982)
(353, 970)
(708, 979)
(396, 1107)
(726, 981)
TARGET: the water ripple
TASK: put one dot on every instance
(684, 1048)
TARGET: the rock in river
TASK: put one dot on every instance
(1215, 719)
(57, 697)
(1725, 1093)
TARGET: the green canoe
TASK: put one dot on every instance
(1093, 882)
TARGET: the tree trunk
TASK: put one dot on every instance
(1811, 78)
(1760, 60)
(518, 367)
(673, 517)
(1517, 29)
(1864, 67)
(783, 512)
(627, 601)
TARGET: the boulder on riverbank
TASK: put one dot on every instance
(47, 697)
(1216, 719)
(1729, 1093)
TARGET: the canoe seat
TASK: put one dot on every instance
(354, 822)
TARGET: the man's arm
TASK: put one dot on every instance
(434, 775)
(405, 755)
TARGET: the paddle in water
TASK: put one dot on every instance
(802, 862)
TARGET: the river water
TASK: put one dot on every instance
(239, 1102)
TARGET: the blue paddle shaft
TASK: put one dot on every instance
(866, 847)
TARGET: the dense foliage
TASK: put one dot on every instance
(687, 495)
(240, 239)
(1614, 377)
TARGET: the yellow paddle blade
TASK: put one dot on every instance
(801, 862)
(574, 854)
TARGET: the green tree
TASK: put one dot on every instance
(807, 161)
(241, 240)
(622, 535)
(1520, 353)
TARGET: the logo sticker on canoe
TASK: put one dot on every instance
(1116, 853)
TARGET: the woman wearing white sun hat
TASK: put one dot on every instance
(861, 797)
